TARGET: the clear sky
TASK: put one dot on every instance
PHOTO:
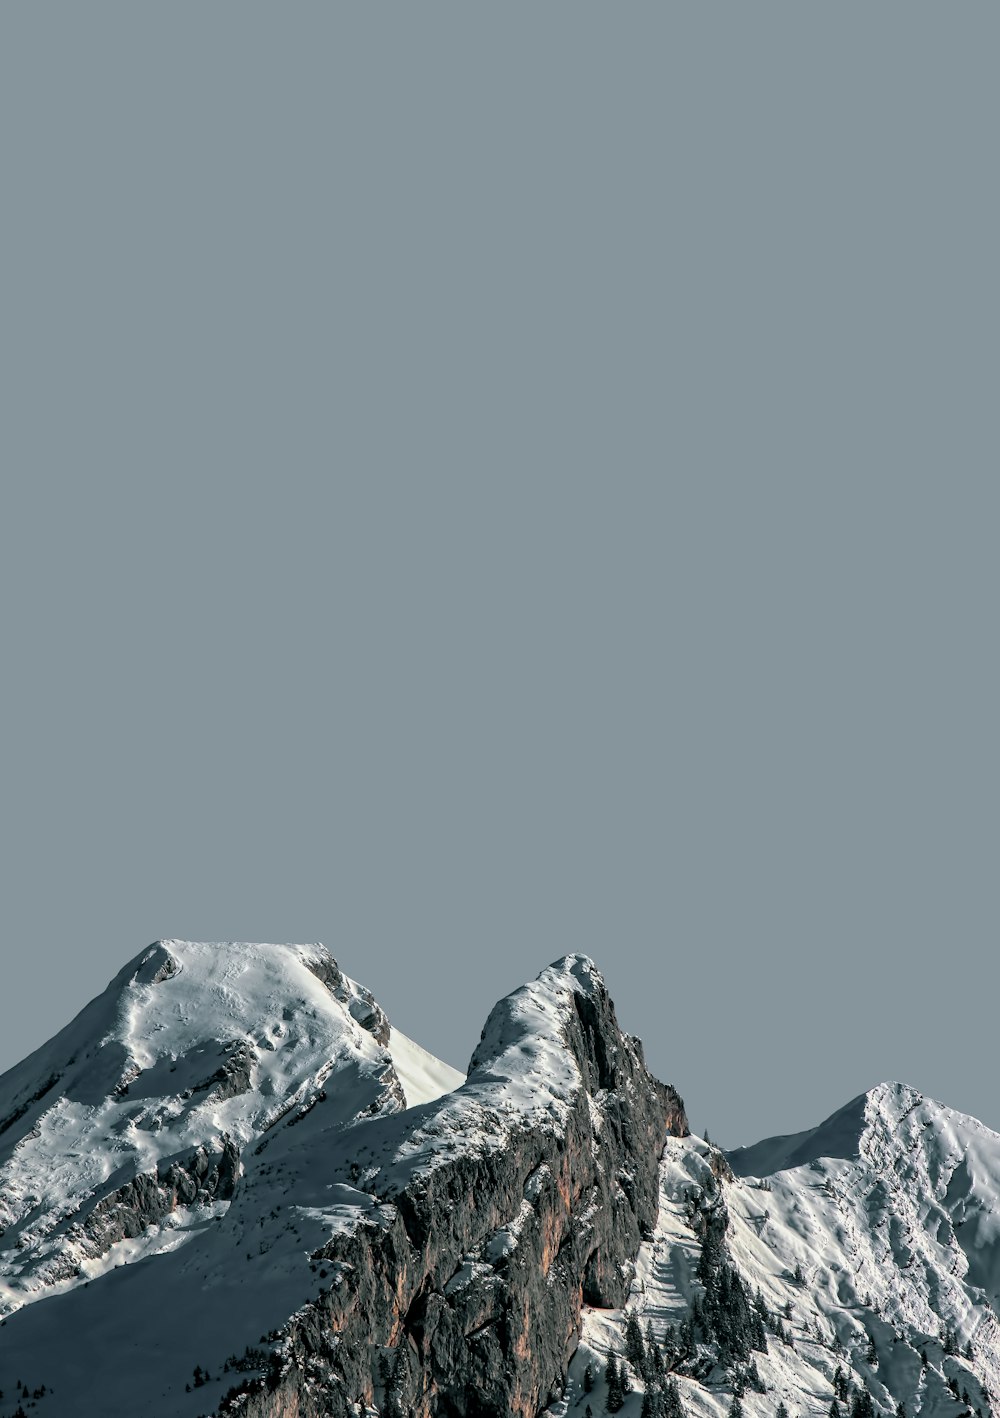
(482, 482)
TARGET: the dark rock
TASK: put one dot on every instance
(360, 1003)
(156, 965)
(146, 1199)
(234, 1075)
(473, 1263)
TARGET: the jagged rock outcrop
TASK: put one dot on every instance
(145, 1200)
(467, 1265)
(360, 1003)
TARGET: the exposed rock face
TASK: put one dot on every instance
(146, 1199)
(233, 1076)
(361, 1004)
(472, 1262)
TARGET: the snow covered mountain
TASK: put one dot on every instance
(231, 1187)
(192, 1053)
(868, 1247)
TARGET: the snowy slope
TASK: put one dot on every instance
(889, 1212)
(190, 1045)
(423, 1077)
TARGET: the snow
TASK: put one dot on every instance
(423, 1077)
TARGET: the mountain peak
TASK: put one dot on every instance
(581, 967)
(891, 1093)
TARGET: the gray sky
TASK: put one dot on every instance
(485, 482)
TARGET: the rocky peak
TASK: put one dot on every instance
(505, 1205)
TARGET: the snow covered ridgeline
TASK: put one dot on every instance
(868, 1257)
(310, 1198)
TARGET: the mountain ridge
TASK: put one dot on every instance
(231, 1186)
(529, 1164)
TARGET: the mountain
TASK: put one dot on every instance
(230, 1164)
(869, 1245)
(230, 1186)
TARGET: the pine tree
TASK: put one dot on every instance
(635, 1349)
(653, 1356)
(616, 1394)
(736, 1407)
(834, 1409)
(871, 1353)
(672, 1406)
(711, 1258)
(588, 1379)
(782, 1411)
(863, 1405)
